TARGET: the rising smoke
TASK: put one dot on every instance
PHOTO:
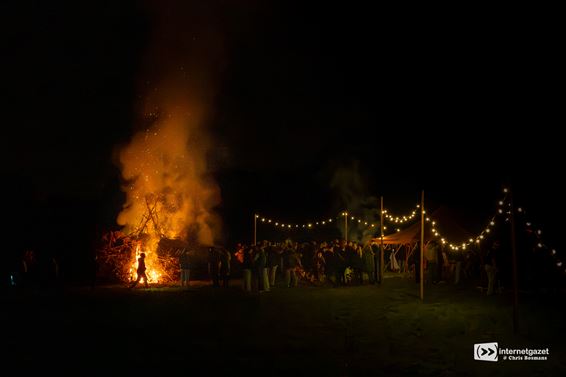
(351, 193)
(168, 184)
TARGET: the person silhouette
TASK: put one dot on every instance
(141, 272)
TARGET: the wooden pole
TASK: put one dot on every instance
(381, 246)
(346, 226)
(255, 229)
(422, 246)
(515, 273)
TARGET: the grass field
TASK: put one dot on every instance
(315, 331)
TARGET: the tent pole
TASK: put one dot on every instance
(422, 245)
(381, 247)
(346, 226)
(255, 229)
(515, 273)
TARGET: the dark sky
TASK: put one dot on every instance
(452, 101)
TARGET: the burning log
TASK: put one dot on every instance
(118, 257)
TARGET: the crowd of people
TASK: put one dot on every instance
(339, 263)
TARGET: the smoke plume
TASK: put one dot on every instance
(168, 184)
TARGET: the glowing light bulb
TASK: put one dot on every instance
(553, 251)
(539, 232)
(519, 209)
(505, 189)
(492, 223)
(501, 202)
(539, 245)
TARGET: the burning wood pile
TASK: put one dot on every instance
(118, 255)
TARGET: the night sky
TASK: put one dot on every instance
(378, 101)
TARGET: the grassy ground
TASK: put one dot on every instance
(346, 331)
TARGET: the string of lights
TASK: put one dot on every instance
(401, 219)
(314, 224)
(290, 226)
(482, 235)
(540, 243)
(503, 212)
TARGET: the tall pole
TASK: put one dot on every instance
(381, 246)
(515, 273)
(422, 246)
(346, 226)
(255, 229)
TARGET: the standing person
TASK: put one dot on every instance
(214, 265)
(490, 266)
(185, 266)
(141, 272)
(416, 256)
(260, 267)
(368, 263)
(292, 261)
(247, 268)
(431, 256)
(273, 261)
(225, 259)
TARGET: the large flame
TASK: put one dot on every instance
(169, 191)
